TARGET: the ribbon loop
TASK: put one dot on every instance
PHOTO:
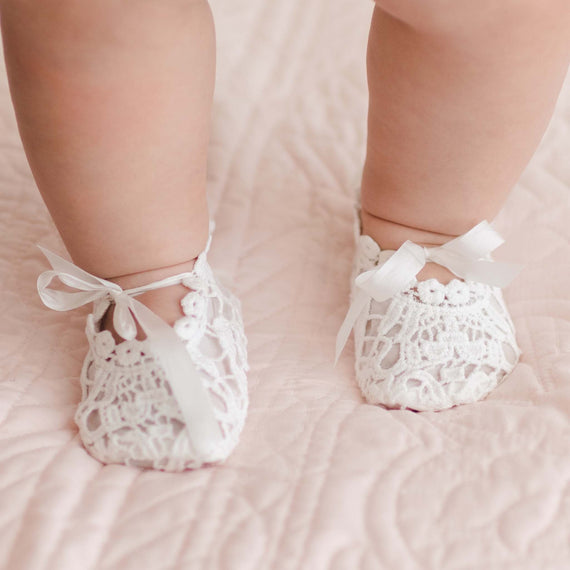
(192, 397)
(464, 256)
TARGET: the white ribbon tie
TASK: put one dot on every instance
(463, 256)
(187, 387)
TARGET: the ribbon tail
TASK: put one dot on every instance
(380, 284)
(356, 307)
(203, 429)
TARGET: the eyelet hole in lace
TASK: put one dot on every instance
(211, 348)
(413, 383)
(371, 327)
(93, 421)
(232, 385)
(177, 426)
(391, 357)
(218, 402)
(228, 313)
(469, 369)
(394, 331)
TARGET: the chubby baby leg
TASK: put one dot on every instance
(113, 101)
(460, 95)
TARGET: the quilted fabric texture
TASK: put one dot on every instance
(320, 480)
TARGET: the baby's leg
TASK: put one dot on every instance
(113, 103)
(460, 95)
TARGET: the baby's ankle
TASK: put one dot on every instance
(391, 235)
(164, 302)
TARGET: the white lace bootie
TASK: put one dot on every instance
(177, 399)
(422, 345)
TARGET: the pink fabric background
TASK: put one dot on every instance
(320, 480)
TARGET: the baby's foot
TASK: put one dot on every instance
(435, 340)
(173, 399)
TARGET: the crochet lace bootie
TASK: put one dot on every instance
(422, 345)
(177, 399)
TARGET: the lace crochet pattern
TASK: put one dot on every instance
(128, 413)
(431, 346)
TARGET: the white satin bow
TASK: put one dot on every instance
(462, 256)
(191, 395)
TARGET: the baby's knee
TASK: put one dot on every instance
(458, 17)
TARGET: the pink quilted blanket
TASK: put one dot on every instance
(320, 481)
